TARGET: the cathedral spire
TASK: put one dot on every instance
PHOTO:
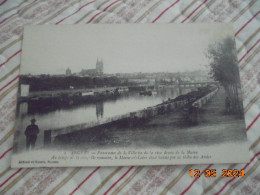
(99, 66)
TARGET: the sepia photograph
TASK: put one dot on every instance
(129, 94)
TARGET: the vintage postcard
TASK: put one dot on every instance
(129, 94)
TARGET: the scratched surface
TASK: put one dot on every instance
(14, 14)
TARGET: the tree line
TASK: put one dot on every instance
(224, 69)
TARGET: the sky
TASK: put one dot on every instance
(124, 48)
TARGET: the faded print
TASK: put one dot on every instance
(108, 89)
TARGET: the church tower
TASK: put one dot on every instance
(99, 66)
(68, 72)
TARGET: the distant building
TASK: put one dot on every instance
(68, 72)
(98, 71)
(99, 67)
(88, 72)
(139, 81)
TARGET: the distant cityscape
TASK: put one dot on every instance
(98, 78)
(142, 78)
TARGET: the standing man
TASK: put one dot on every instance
(31, 133)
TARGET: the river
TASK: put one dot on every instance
(128, 102)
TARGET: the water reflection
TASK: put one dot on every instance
(23, 109)
(99, 109)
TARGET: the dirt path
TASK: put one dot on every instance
(214, 126)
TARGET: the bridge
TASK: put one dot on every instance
(196, 84)
(189, 84)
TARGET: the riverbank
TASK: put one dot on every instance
(47, 101)
(170, 110)
(165, 130)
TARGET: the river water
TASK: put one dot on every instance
(129, 102)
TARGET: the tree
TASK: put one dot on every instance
(224, 69)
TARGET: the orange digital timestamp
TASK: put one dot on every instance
(213, 173)
(233, 173)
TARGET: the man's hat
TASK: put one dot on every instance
(33, 120)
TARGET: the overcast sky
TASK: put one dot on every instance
(123, 48)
